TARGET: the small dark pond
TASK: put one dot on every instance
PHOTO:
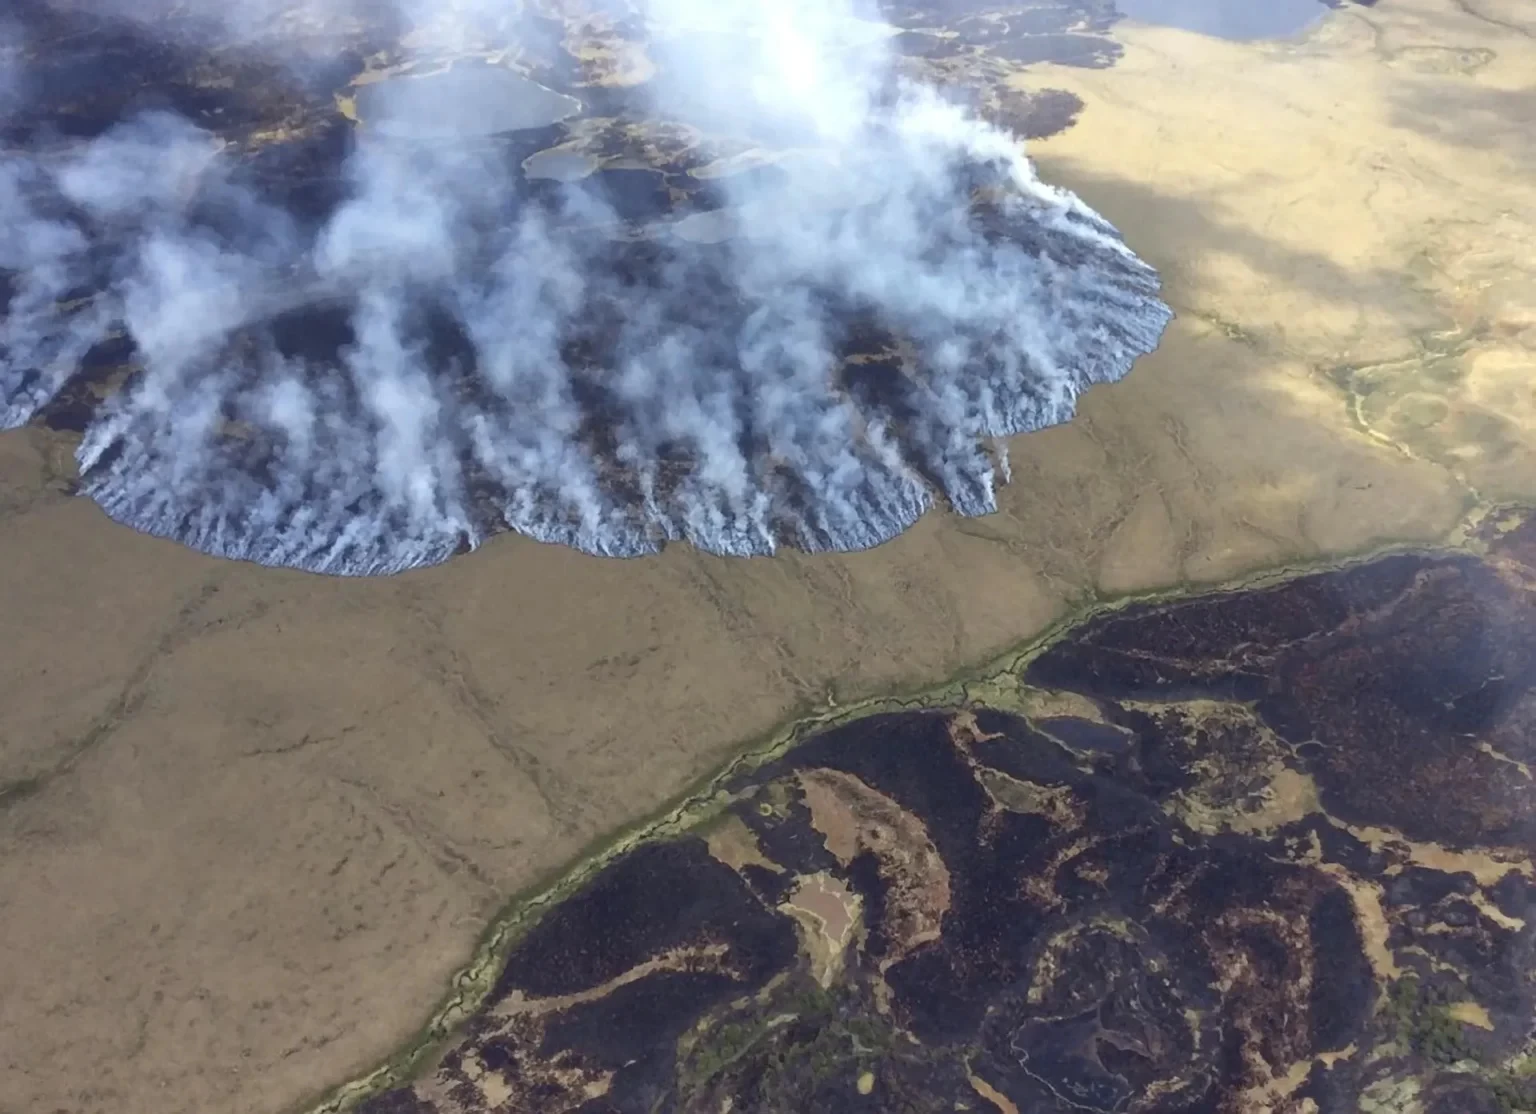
(462, 101)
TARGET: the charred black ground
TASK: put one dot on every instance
(1277, 857)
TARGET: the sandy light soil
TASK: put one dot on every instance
(252, 821)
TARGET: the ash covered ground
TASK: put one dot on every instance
(353, 290)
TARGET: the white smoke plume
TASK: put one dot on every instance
(13, 47)
(507, 364)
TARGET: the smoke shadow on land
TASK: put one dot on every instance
(1474, 117)
(1200, 220)
(1250, 457)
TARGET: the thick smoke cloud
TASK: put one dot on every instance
(535, 366)
(13, 45)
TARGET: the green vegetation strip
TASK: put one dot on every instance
(1422, 1021)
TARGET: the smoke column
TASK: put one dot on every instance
(850, 341)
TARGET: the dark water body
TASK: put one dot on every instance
(1228, 19)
